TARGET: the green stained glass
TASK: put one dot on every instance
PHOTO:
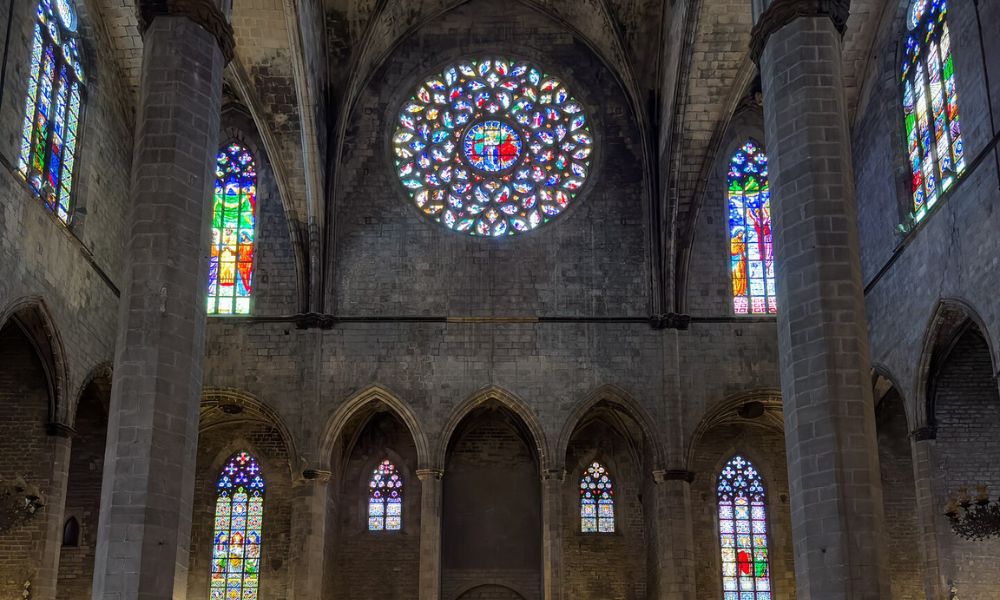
(742, 526)
(239, 516)
(234, 219)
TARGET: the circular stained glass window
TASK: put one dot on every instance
(67, 14)
(492, 147)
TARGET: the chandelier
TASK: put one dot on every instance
(974, 519)
(19, 502)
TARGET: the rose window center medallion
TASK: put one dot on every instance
(492, 147)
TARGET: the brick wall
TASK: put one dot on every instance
(83, 492)
(25, 450)
(381, 564)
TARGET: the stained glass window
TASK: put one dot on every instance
(52, 106)
(597, 500)
(385, 498)
(239, 516)
(930, 105)
(743, 532)
(492, 147)
(234, 216)
(750, 250)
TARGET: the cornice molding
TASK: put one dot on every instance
(783, 12)
(205, 13)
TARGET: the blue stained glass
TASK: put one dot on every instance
(385, 498)
(239, 518)
(52, 106)
(234, 220)
(751, 249)
(742, 526)
(597, 500)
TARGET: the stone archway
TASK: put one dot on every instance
(491, 592)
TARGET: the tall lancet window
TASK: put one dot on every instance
(743, 532)
(385, 498)
(597, 500)
(930, 104)
(239, 516)
(234, 218)
(52, 106)
(750, 249)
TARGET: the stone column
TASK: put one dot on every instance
(308, 553)
(146, 499)
(552, 525)
(674, 533)
(836, 496)
(43, 585)
(430, 533)
(928, 514)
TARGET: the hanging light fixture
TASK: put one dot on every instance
(974, 519)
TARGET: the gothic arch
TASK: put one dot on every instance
(491, 590)
(224, 405)
(33, 317)
(622, 400)
(371, 396)
(732, 410)
(509, 401)
(950, 319)
(100, 375)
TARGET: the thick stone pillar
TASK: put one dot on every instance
(928, 514)
(836, 496)
(430, 533)
(552, 526)
(43, 585)
(674, 558)
(146, 499)
(308, 552)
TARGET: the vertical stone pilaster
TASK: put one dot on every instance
(430, 533)
(674, 535)
(836, 496)
(146, 498)
(43, 586)
(309, 530)
(928, 515)
(552, 523)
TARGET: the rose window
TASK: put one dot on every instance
(492, 147)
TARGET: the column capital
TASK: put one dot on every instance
(62, 430)
(782, 12)
(319, 475)
(664, 475)
(204, 13)
(556, 475)
(921, 434)
(427, 474)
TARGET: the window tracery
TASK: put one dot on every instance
(751, 249)
(743, 532)
(492, 147)
(52, 106)
(239, 518)
(930, 105)
(597, 500)
(385, 498)
(234, 220)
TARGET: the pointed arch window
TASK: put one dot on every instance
(750, 249)
(385, 498)
(930, 105)
(743, 532)
(234, 220)
(239, 517)
(597, 500)
(52, 106)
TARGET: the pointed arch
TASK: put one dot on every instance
(237, 538)
(32, 316)
(52, 106)
(950, 318)
(750, 237)
(370, 397)
(220, 406)
(743, 531)
(760, 408)
(511, 402)
(622, 400)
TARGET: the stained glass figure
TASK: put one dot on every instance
(239, 516)
(930, 105)
(234, 218)
(385, 498)
(743, 532)
(52, 106)
(750, 249)
(492, 147)
(597, 500)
